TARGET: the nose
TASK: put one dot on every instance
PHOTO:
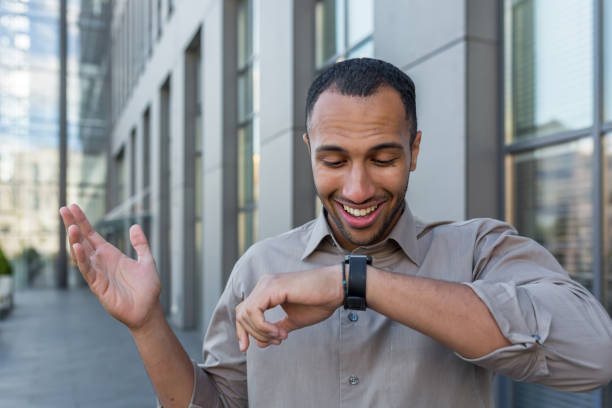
(358, 186)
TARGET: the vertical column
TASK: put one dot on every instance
(303, 207)
(62, 260)
(287, 191)
(483, 90)
(436, 63)
(178, 193)
(219, 151)
(276, 117)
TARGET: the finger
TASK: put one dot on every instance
(242, 317)
(257, 334)
(285, 326)
(75, 236)
(264, 345)
(256, 319)
(90, 234)
(243, 337)
(83, 263)
(71, 241)
(140, 244)
(67, 217)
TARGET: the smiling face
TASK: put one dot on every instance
(361, 158)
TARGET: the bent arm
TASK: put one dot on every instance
(448, 312)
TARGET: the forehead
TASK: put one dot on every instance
(381, 113)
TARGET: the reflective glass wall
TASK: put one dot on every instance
(557, 158)
(29, 126)
(248, 122)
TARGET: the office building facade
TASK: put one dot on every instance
(208, 101)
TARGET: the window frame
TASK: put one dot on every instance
(597, 131)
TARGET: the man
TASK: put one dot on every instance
(448, 304)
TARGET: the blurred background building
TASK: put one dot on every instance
(186, 116)
(29, 125)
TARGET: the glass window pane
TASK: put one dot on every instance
(198, 245)
(246, 166)
(607, 46)
(198, 185)
(245, 95)
(549, 67)
(552, 203)
(607, 194)
(246, 229)
(326, 41)
(245, 39)
(365, 50)
(360, 16)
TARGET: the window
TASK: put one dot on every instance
(120, 178)
(343, 29)
(248, 128)
(132, 163)
(553, 135)
(607, 49)
(159, 18)
(549, 67)
(146, 179)
(193, 171)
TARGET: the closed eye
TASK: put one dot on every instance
(384, 162)
(329, 163)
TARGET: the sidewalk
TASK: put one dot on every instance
(61, 349)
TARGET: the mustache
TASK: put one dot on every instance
(349, 201)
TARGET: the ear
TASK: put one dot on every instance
(306, 140)
(415, 150)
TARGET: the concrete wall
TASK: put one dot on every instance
(449, 49)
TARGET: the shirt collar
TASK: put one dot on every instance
(404, 234)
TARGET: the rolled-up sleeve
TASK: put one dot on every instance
(561, 335)
(221, 380)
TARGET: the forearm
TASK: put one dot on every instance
(168, 365)
(449, 312)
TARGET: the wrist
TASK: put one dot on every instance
(354, 283)
(153, 323)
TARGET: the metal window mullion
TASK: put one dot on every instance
(597, 152)
(606, 127)
(547, 141)
(598, 205)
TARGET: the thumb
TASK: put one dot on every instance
(285, 326)
(140, 244)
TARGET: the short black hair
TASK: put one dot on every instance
(363, 77)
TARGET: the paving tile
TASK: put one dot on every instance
(61, 349)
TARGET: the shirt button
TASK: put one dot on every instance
(352, 316)
(353, 380)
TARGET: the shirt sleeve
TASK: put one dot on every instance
(561, 335)
(221, 381)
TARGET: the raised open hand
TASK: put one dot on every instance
(128, 289)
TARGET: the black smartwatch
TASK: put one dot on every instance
(355, 298)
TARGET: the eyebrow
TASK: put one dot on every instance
(381, 146)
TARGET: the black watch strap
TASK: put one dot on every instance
(356, 293)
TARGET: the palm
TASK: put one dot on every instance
(126, 288)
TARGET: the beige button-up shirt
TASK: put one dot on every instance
(561, 336)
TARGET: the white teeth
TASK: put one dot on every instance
(359, 212)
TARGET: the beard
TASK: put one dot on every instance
(381, 232)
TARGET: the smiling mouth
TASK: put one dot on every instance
(360, 218)
(357, 212)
